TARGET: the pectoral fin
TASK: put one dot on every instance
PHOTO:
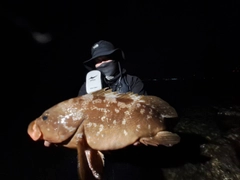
(90, 163)
(165, 138)
(95, 162)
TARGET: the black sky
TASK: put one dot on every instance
(182, 36)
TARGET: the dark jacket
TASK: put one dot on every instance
(124, 83)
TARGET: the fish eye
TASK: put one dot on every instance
(44, 117)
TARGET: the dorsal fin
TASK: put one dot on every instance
(109, 91)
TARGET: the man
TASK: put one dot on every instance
(106, 58)
(124, 163)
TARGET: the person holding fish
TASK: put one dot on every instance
(116, 130)
(105, 71)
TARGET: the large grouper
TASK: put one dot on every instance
(104, 121)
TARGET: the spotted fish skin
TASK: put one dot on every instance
(106, 120)
(116, 121)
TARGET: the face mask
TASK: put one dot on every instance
(108, 69)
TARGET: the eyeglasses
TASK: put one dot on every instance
(101, 59)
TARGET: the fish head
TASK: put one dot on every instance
(57, 124)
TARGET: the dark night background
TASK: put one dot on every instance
(186, 52)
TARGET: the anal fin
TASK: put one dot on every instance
(165, 138)
(95, 162)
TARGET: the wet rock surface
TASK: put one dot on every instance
(210, 146)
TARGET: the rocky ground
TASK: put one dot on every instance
(210, 147)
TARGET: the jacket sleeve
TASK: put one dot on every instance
(82, 90)
(136, 85)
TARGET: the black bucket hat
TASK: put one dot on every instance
(102, 48)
